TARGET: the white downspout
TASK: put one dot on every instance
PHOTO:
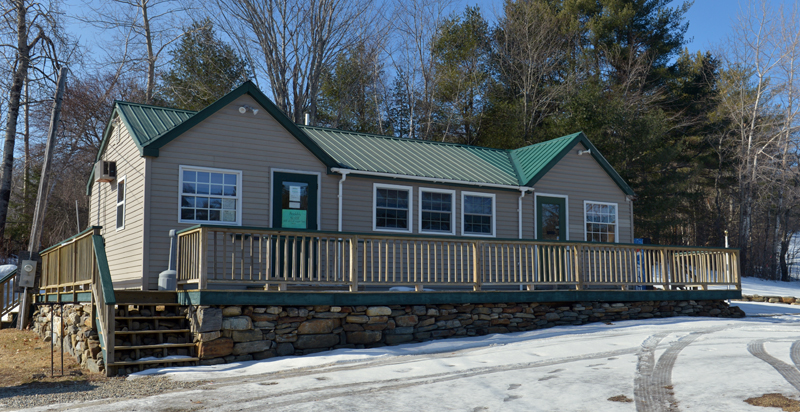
(344, 177)
(522, 191)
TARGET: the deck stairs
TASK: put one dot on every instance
(149, 335)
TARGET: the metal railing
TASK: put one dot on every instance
(264, 257)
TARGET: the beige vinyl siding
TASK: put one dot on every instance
(252, 144)
(358, 205)
(124, 247)
(582, 178)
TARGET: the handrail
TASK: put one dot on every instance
(104, 300)
(390, 235)
(259, 256)
(9, 298)
(67, 266)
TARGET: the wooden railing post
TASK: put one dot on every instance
(664, 274)
(202, 264)
(353, 266)
(578, 275)
(477, 261)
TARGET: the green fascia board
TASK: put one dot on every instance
(212, 297)
(152, 147)
(562, 146)
(103, 272)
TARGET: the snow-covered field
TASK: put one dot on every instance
(700, 364)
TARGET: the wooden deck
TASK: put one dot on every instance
(213, 257)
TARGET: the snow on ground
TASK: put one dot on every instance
(755, 286)
(698, 364)
(682, 363)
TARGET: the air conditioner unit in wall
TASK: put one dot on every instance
(105, 171)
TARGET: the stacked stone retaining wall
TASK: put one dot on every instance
(240, 333)
(71, 330)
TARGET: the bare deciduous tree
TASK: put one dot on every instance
(34, 33)
(144, 31)
(295, 41)
(759, 97)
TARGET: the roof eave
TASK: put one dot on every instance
(152, 147)
(581, 138)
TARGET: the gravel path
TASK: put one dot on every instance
(33, 395)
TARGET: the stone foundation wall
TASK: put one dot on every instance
(788, 300)
(71, 331)
(241, 333)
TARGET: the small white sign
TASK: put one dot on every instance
(294, 194)
(294, 205)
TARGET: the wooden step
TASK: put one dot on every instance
(153, 362)
(149, 317)
(152, 331)
(156, 346)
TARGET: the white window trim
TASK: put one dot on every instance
(239, 194)
(124, 181)
(452, 194)
(536, 209)
(375, 187)
(616, 219)
(298, 172)
(494, 213)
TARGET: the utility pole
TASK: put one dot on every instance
(41, 198)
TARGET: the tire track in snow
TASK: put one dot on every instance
(645, 401)
(652, 388)
(789, 372)
(795, 354)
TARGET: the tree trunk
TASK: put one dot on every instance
(151, 58)
(15, 94)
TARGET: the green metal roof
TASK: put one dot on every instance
(147, 123)
(533, 159)
(411, 157)
(152, 127)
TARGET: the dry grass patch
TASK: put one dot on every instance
(620, 398)
(27, 359)
(775, 400)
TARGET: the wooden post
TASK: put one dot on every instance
(202, 265)
(353, 269)
(477, 261)
(109, 339)
(664, 274)
(578, 274)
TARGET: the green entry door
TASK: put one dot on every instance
(551, 218)
(294, 201)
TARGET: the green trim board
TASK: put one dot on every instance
(102, 270)
(210, 297)
(8, 276)
(66, 297)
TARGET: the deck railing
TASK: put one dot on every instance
(259, 257)
(9, 297)
(70, 265)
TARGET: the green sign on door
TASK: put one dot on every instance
(294, 219)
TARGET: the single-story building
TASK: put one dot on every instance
(242, 162)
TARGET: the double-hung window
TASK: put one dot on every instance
(121, 185)
(392, 208)
(436, 211)
(600, 221)
(478, 214)
(210, 195)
